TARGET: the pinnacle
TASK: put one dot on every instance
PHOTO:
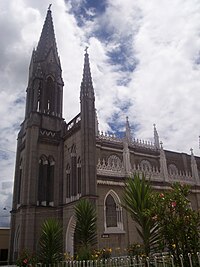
(86, 85)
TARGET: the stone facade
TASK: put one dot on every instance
(58, 163)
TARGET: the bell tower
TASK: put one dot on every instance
(45, 86)
(38, 172)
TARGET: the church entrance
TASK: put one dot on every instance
(69, 245)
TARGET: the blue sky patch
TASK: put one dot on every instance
(87, 10)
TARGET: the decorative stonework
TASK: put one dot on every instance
(132, 143)
(109, 137)
(146, 165)
(150, 172)
(49, 136)
(47, 133)
(143, 144)
(181, 176)
(172, 169)
(73, 122)
(113, 167)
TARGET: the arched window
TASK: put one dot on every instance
(39, 97)
(79, 175)
(19, 183)
(46, 180)
(73, 176)
(49, 96)
(42, 180)
(68, 181)
(113, 221)
(73, 171)
(59, 101)
(50, 179)
(111, 212)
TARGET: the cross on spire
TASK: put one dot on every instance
(86, 49)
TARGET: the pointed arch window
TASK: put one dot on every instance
(68, 184)
(59, 101)
(49, 96)
(39, 96)
(113, 220)
(73, 176)
(50, 179)
(19, 183)
(46, 180)
(79, 175)
(111, 212)
(73, 171)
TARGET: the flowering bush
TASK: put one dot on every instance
(104, 253)
(26, 258)
(178, 223)
(136, 249)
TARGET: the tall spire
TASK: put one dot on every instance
(88, 132)
(86, 84)
(156, 137)
(128, 130)
(45, 86)
(47, 40)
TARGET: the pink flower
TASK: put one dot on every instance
(25, 261)
(173, 204)
(162, 195)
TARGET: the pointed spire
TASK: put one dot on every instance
(88, 132)
(86, 84)
(47, 39)
(45, 95)
(156, 138)
(128, 130)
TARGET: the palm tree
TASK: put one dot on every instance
(51, 242)
(137, 201)
(86, 229)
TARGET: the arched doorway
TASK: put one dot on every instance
(69, 242)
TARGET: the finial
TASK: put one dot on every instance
(49, 8)
(86, 48)
(191, 149)
(161, 145)
(154, 125)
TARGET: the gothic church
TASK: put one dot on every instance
(59, 162)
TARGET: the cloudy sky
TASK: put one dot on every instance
(145, 63)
